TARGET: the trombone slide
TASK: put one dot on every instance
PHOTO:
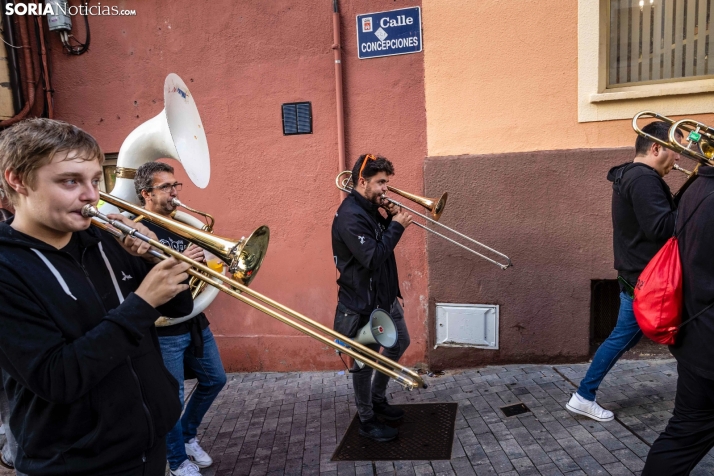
(407, 378)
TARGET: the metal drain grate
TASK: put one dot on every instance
(516, 409)
(425, 433)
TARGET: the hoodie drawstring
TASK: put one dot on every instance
(56, 273)
(111, 273)
(63, 283)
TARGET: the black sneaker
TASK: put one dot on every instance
(387, 411)
(377, 431)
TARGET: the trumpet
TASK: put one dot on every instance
(404, 376)
(436, 208)
(197, 286)
(210, 221)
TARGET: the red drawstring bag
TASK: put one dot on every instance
(658, 295)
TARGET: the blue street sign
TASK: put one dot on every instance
(396, 32)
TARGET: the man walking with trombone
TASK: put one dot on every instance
(643, 219)
(363, 243)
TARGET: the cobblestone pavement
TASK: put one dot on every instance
(274, 424)
(277, 423)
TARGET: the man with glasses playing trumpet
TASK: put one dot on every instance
(190, 342)
(363, 243)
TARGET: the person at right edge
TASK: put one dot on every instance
(689, 434)
(363, 243)
(643, 219)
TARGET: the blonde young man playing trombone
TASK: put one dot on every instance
(89, 393)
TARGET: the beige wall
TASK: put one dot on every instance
(502, 76)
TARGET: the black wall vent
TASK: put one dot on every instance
(604, 308)
(297, 118)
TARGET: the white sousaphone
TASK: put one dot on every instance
(177, 133)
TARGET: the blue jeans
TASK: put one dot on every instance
(623, 337)
(211, 379)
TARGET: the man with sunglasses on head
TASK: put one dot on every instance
(189, 343)
(363, 243)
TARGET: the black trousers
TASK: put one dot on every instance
(690, 432)
(155, 464)
(367, 389)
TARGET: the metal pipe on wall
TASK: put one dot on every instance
(29, 72)
(337, 49)
(8, 33)
(45, 69)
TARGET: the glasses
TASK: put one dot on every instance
(167, 187)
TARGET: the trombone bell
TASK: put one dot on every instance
(243, 257)
(436, 207)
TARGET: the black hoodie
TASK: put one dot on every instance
(695, 229)
(85, 377)
(643, 216)
(363, 243)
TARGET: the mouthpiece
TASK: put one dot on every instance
(89, 211)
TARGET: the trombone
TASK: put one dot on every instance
(698, 133)
(404, 376)
(435, 207)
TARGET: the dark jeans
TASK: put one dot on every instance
(211, 379)
(368, 390)
(9, 450)
(690, 432)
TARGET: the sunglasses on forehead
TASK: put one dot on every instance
(367, 158)
(166, 187)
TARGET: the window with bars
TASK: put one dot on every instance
(653, 41)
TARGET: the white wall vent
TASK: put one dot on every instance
(467, 325)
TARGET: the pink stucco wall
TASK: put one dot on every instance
(242, 60)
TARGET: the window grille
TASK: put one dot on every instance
(297, 118)
(659, 41)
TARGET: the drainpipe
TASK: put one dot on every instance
(45, 69)
(29, 75)
(8, 33)
(337, 49)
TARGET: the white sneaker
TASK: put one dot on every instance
(581, 406)
(196, 454)
(187, 468)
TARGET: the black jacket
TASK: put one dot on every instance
(694, 345)
(643, 217)
(363, 243)
(87, 384)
